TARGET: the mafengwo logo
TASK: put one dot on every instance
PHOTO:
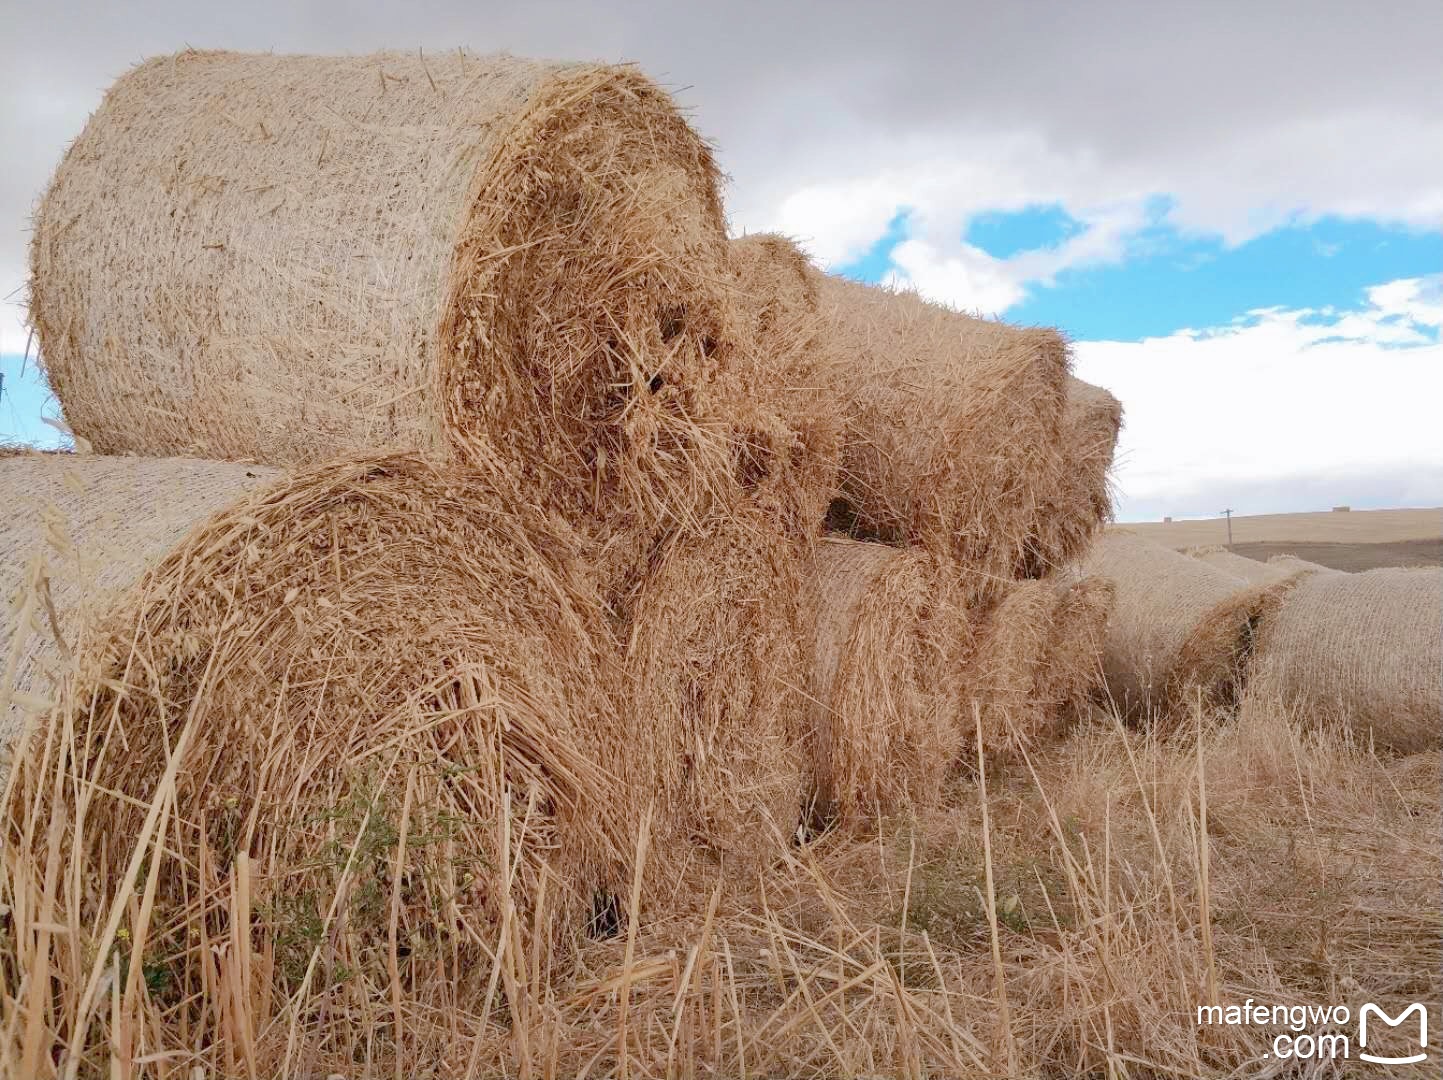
(1371, 1011)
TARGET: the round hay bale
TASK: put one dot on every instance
(290, 258)
(1364, 649)
(716, 686)
(953, 424)
(1079, 500)
(79, 531)
(369, 702)
(1037, 658)
(790, 448)
(882, 733)
(1179, 627)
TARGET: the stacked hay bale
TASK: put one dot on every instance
(1037, 661)
(1364, 650)
(971, 464)
(953, 426)
(292, 258)
(582, 601)
(1181, 629)
(553, 566)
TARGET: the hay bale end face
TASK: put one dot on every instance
(291, 258)
(715, 687)
(790, 447)
(953, 424)
(1364, 649)
(1078, 500)
(80, 530)
(1037, 659)
(1181, 630)
(369, 650)
(882, 732)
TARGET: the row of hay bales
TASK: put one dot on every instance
(1212, 628)
(444, 461)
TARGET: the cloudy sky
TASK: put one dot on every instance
(1235, 210)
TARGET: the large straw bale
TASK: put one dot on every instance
(290, 258)
(953, 425)
(796, 442)
(1180, 628)
(1037, 658)
(882, 730)
(380, 687)
(79, 530)
(1079, 500)
(1365, 649)
(716, 686)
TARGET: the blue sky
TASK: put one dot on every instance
(1168, 280)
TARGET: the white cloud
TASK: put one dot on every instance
(1341, 406)
(968, 279)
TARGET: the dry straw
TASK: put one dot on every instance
(1365, 649)
(716, 687)
(793, 445)
(288, 258)
(953, 425)
(882, 725)
(355, 727)
(1037, 659)
(1180, 628)
(79, 530)
(1079, 500)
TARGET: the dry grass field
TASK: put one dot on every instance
(1352, 527)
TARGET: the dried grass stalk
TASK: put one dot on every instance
(1179, 627)
(792, 446)
(716, 687)
(882, 728)
(289, 258)
(371, 650)
(1037, 659)
(953, 425)
(79, 530)
(1365, 649)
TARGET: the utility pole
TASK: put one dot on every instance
(1229, 515)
